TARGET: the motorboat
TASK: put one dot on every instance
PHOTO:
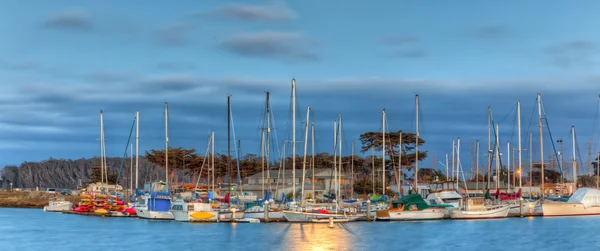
(585, 201)
(411, 207)
(474, 208)
(155, 203)
(193, 211)
(58, 205)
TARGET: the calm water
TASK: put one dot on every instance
(33, 229)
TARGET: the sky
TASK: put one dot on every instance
(61, 62)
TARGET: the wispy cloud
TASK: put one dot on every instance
(176, 34)
(577, 53)
(271, 12)
(491, 31)
(410, 53)
(272, 45)
(405, 47)
(70, 20)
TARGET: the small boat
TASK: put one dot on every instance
(257, 211)
(58, 205)
(155, 204)
(193, 211)
(410, 208)
(585, 201)
(474, 208)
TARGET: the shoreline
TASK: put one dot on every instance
(30, 199)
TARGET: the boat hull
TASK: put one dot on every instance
(154, 215)
(62, 206)
(497, 213)
(568, 209)
(292, 216)
(426, 214)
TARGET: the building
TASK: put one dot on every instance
(281, 182)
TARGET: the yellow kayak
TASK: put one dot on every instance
(202, 215)
(101, 211)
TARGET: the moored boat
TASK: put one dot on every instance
(585, 201)
(193, 211)
(410, 208)
(474, 208)
(156, 203)
(58, 205)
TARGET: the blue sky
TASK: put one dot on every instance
(61, 62)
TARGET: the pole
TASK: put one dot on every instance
(101, 149)
(137, 146)
(530, 162)
(539, 99)
(131, 168)
(339, 185)
(574, 160)
(267, 143)
(313, 159)
(497, 159)
(399, 183)
(508, 165)
(489, 149)
(212, 156)
(305, 150)
(453, 157)
(294, 138)
(477, 168)
(262, 158)
(373, 168)
(383, 153)
(167, 142)
(417, 143)
(457, 160)
(520, 148)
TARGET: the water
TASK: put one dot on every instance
(33, 229)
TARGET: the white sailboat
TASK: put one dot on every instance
(156, 202)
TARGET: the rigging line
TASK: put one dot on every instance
(277, 147)
(509, 113)
(545, 118)
(125, 154)
(203, 162)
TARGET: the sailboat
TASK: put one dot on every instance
(585, 201)
(412, 206)
(475, 208)
(156, 201)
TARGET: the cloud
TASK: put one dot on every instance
(175, 83)
(111, 76)
(70, 20)
(244, 12)
(491, 31)
(578, 53)
(280, 46)
(175, 34)
(405, 47)
(175, 66)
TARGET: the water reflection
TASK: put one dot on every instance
(318, 237)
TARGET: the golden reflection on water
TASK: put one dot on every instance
(318, 237)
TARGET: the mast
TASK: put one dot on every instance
(229, 138)
(383, 153)
(101, 149)
(267, 143)
(373, 168)
(167, 141)
(399, 183)
(294, 138)
(539, 99)
(508, 165)
(458, 160)
(530, 162)
(335, 161)
(519, 135)
(489, 149)
(312, 141)
(477, 168)
(305, 149)
(137, 146)
(574, 159)
(453, 157)
(417, 144)
(340, 162)
(131, 168)
(352, 172)
(497, 148)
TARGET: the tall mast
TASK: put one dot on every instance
(383, 152)
(497, 149)
(267, 143)
(574, 159)
(335, 160)
(508, 165)
(530, 162)
(294, 138)
(167, 141)
(417, 144)
(539, 99)
(229, 138)
(477, 168)
(352, 172)
(519, 135)
(312, 141)
(101, 149)
(137, 146)
(340, 163)
(131, 168)
(489, 149)
(305, 149)
(373, 168)
(399, 183)
(453, 157)
(457, 160)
